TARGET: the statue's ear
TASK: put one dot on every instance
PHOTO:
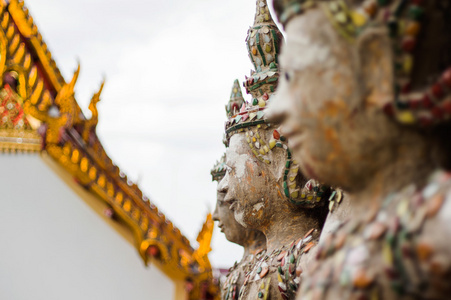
(375, 57)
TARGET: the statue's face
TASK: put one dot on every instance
(330, 100)
(252, 186)
(233, 231)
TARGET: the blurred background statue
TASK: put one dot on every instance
(365, 99)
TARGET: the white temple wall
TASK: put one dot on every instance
(54, 246)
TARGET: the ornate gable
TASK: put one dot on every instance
(38, 112)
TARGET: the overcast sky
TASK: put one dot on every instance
(169, 68)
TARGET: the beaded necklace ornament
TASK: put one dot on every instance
(231, 290)
(262, 294)
(403, 19)
(285, 262)
(230, 286)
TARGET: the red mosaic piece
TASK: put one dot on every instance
(308, 247)
(281, 255)
(309, 233)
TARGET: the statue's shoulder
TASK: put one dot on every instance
(429, 210)
(425, 235)
(437, 197)
(433, 212)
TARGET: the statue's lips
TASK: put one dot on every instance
(221, 226)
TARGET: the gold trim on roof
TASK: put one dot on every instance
(204, 240)
(71, 140)
(29, 30)
(12, 140)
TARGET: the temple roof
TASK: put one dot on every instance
(38, 112)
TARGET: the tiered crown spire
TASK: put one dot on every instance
(263, 40)
(263, 43)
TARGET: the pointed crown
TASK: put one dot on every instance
(219, 169)
(263, 43)
(236, 100)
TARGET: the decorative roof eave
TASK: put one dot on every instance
(29, 30)
(70, 139)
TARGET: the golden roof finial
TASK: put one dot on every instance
(204, 240)
(94, 100)
(65, 98)
(91, 124)
(58, 116)
(67, 91)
